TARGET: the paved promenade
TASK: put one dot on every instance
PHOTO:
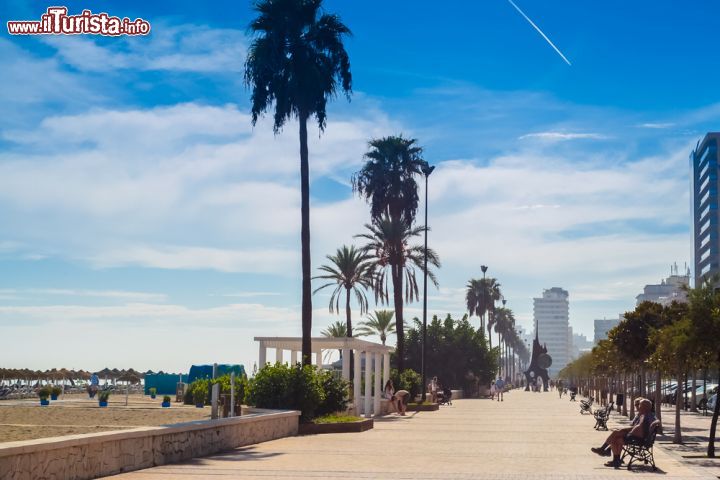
(528, 436)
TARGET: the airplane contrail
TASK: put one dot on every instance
(540, 32)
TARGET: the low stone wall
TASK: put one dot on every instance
(80, 457)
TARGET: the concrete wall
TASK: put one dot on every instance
(79, 457)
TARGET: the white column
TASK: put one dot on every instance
(368, 384)
(318, 358)
(263, 355)
(377, 387)
(346, 364)
(295, 357)
(278, 355)
(386, 368)
(356, 384)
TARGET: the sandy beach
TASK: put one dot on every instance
(26, 419)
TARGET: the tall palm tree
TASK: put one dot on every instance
(505, 327)
(387, 180)
(379, 323)
(297, 62)
(350, 270)
(480, 299)
(335, 330)
(388, 244)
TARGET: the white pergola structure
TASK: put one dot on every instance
(376, 357)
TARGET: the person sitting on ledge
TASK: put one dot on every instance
(389, 393)
(639, 430)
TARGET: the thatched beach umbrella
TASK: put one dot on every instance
(106, 373)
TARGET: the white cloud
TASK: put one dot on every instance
(80, 293)
(562, 136)
(196, 258)
(656, 125)
(120, 186)
(248, 294)
(180, 48)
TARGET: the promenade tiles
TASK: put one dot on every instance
(528, 436)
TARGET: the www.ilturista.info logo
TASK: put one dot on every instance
(57, 21)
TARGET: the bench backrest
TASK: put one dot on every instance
(652, 433)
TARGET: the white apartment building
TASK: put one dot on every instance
(668, 290)
(552, 323)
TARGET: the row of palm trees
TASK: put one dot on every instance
(481, 298)
(295, 64)
(388, 261)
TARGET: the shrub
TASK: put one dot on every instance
(44, 393)
(240, 386)
(200, 390)
(56, 391)
(408, 380)
(166, 399)
(152, 391)
(287, 387)
(104, 395)
(336, 393)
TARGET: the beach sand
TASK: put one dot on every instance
(25, 420)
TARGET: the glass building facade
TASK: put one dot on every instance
(704, 187)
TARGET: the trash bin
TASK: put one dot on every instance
(619, 401)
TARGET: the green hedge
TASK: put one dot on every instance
(313, 392)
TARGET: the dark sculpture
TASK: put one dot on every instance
(539, 364)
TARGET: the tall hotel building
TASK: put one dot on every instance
(552, 324)
(704, 186)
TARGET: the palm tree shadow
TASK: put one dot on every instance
(240, 454)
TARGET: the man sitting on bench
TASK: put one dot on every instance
(638, 432)
(604, 449)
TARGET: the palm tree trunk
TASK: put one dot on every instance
(489, 333)
(398, 298)
(348, 315)
(305, 242)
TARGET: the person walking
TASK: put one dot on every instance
(499, 387)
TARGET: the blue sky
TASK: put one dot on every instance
(145, 223)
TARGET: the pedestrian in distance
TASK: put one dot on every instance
(433, 389)
(499, 387)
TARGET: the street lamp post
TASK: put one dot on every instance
(427, 170)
